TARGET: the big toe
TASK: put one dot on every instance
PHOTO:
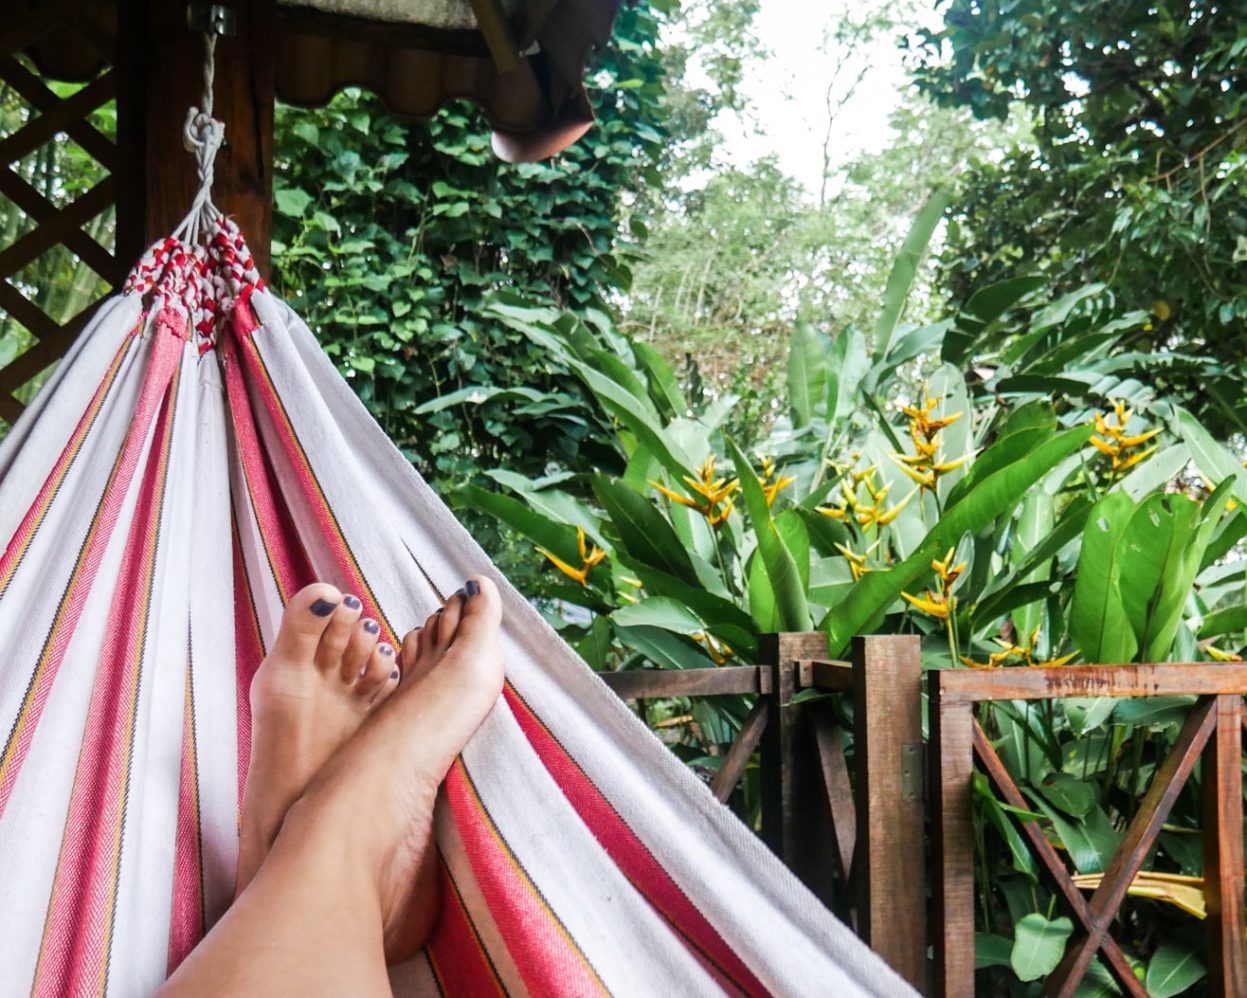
(304, 620)
(481, 613)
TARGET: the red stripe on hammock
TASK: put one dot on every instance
(166, 351)
(288, 560)
(547, 958)
(455, 952)
(351, 576)
(248, 654)
(186, 924)
(29, 526)
(77, 939)
(630, 854)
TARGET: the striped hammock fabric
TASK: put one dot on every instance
(193, 462)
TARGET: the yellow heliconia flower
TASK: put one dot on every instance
(857, 562)
(720, 651)
(1217, 655)
(589, 556)
(1115, 445)
(774, 488)
(924, 466)
(933, 604)
(713, 490)
(948, 575)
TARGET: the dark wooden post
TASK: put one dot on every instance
(951, 751)
(796, 831)
(161, 68)
(889, 868)
(1222, 788)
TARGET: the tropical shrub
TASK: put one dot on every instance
(1014, 483)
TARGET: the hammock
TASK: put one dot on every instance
(194, 461)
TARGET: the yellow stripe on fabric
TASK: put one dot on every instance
(518, 867)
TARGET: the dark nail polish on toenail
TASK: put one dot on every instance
(323, 608)
(351, 603)
(371, 626)
(472, 587)
(440, 609)
(394, 674)
(385, 650)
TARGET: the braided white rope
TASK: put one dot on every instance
(202, 135)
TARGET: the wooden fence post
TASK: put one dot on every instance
(889, 869)
(796, 831)
(951, 751)
(1223, 850)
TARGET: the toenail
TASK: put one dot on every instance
(322, 608)
(351, 603)
(394, 674)
(371, 626)
(440, 609)
(472, 587)
(385, 649)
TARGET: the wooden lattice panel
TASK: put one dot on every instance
(58, 160)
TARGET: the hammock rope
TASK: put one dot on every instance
(193, 461)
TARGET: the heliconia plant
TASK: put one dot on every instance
(1012, 483)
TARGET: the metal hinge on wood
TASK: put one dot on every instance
(211, 18)
(913, 771)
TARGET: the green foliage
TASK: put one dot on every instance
(1132, 171)
(969, 506)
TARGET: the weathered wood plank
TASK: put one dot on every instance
(1222, 792)
(641, 684)
(1167, 678)
(733, 766)
(831, 675)
(835, 772)
(890, 875)
(951, 762)
(1135, 844)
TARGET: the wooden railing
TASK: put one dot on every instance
(857, 839)
(1213, 729)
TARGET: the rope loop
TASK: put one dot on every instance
(202, 135)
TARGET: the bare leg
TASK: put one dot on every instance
(325, 672)
(348, 878)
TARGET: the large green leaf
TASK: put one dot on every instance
(557, 538)
(984, 307)
(663, 387)
(1098, 623)
(905, 270)
(992, 496)
(807, 374)
(1038, 945)
(661, 612)
(846, 366)
(1216, 461)
(1034, 524)
(1174, 967)
(643, 532)
(793, 612)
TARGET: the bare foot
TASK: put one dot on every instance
(325, 673)
(378, 791)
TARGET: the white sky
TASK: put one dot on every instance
(789, 88)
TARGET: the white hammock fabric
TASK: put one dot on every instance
(193, 462)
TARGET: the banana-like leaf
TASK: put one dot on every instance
(807, 374)
(905, 270)
(984, 307)
(1034, 524)
(1097, 618)
(847, 362)
(992, 496)
(664, 389)
(793, 613)
(643, 533)
(1214, 460)
(557, 538)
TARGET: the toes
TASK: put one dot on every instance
(304, 621)
(360, 646)
(379, 672)
(337, 635)
(448, 621)
(482, 607)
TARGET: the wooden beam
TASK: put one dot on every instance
(1222, 793)
(643, 684)
(952, 827)
(1168, 678)
(890, 872)
(733, 766)
(795, 831)
(835, 772)
(832, 675)
(160, 77)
